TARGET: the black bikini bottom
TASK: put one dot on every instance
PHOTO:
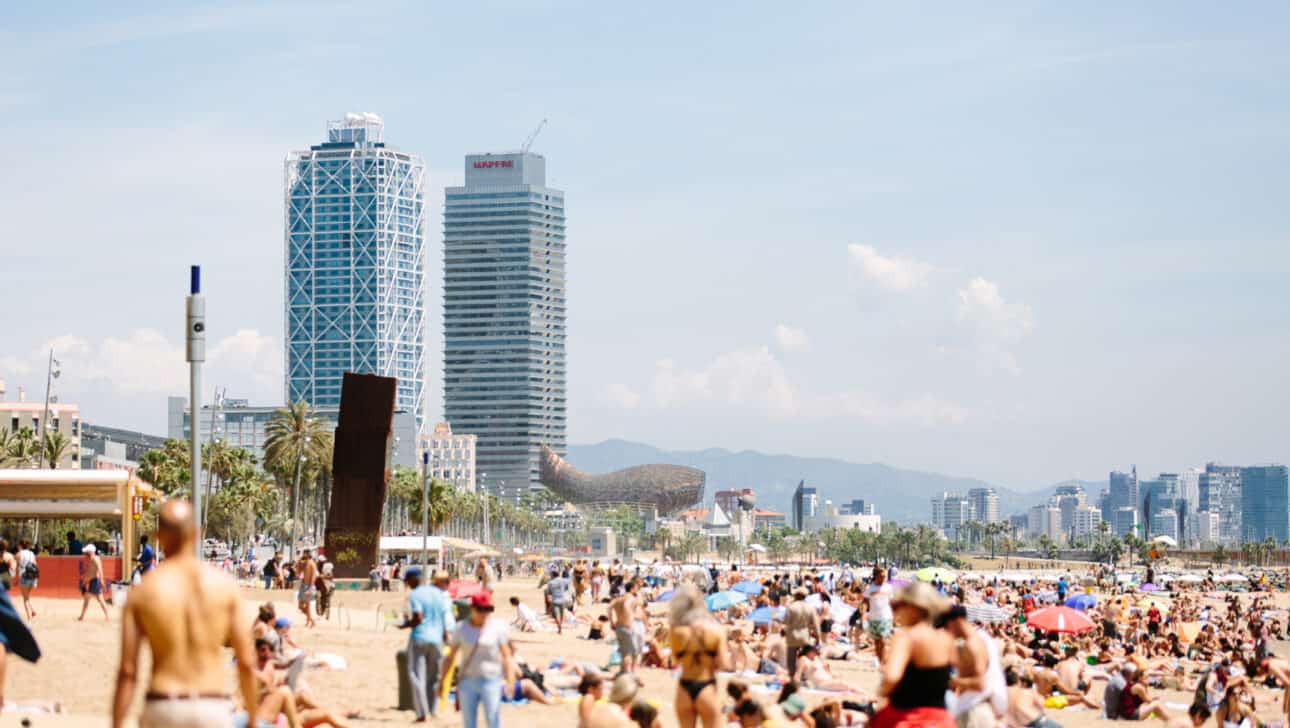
(694, 687)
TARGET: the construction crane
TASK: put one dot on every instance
(529, 142)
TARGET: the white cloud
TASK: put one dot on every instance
(993, 323)
(748, 377)
(790, 340)
(926, 410)
(621, 396)
(899, 275)
(145, 362)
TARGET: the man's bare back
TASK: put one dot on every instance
(623, 610)
(1070, 672)
(1024, 706)
(188, 613)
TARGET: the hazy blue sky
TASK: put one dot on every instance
(1019, 241)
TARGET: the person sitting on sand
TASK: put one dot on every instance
(1025, 704)
(813, 672)
(276, 698)
(526, 619)
(1136, 702)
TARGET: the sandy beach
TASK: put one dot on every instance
(79, 663)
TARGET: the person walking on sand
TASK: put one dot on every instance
(187, 612)
(307, 592)
(430, 620)
(91, 581)
(28, 574)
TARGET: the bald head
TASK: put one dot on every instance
(176, 529)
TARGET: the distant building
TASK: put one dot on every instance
(1265, 502)
(242, 425)
(731, 502)
(1189, 488)
(1124, 491)
(859, 507)
(1020, 523)
(97, 439)
(985, 504)
(806, 503)
(355, 265)
(949, 512)
(1219, 491)
(504, 317)
(1086, 521)
(1203, 528)
(1164, 523)
(63, 418)
(1126, 521)
(831, 517)
(452, 457)
(1045, 520)
(1068, 498)
(764, 520)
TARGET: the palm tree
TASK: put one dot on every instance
(1219, 555)
(7, 439)
(56, 445)
(728, 548)
(662, 538)
(24, 448)
(297, 448)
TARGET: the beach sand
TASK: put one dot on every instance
(80, 662)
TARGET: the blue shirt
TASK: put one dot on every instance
(147, 558)
(435, 609)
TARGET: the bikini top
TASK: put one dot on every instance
(698, 636)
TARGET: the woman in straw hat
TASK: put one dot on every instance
(916, 673)
(699, 646)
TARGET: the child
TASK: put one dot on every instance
(598, 629)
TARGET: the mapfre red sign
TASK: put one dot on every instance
(490, 163)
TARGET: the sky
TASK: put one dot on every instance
(1020, 241)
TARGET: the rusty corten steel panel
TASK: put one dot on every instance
(359, 476)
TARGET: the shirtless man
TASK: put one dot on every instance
(1025, 705)
(1070, 678)
(187, 612)
(622, 615)
(92, 581)
(1110, 618)
(306, 593)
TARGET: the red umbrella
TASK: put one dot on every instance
(462, 588)
(1060, 619)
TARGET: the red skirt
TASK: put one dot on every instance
(890, 717)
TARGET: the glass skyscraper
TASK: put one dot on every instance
(1265, 503)
(504, 317)
(355, 273)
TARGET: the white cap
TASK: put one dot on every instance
(89, 549)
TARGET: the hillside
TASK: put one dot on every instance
(899, 495)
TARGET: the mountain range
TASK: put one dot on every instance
(900, 495)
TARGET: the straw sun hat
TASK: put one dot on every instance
(922, 596)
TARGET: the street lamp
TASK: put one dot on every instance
(425, 509)
(295, 495)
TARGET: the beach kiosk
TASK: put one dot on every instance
(107, 494)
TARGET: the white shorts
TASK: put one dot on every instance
(187, 713)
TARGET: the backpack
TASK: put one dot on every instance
(30, 572)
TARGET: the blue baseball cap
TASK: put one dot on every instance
(281, 622)
(413, 572)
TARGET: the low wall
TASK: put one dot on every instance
(60, 576)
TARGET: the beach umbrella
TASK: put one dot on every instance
(462, 588)
(751, 588)
(985, 613)
(931, 573)
(1046, 597)
(665, 595)
(766, 615)
(1060, 619)
(1232, 578)
(898, 583)
(1148, 587)
(1081, 601)
(724, 600)
(1191, 578)
(1166, 540)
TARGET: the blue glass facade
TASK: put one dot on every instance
(504, 317)
(1265, 503)
(355, 265)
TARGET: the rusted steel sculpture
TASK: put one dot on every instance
(358, 473)
(669, 488)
